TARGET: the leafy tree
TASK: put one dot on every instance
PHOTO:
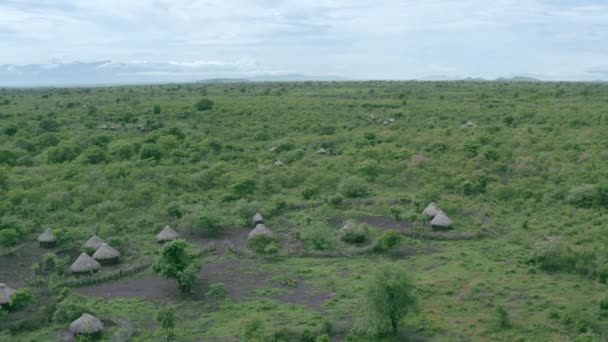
(176, 262)
(166, 318)
(243, 187)
(8, 237)
(396, 212)
(353, 187)
(389, 239)
(204, 104)
(389, 296)
(20, 299)
(209, 222)
(121, 150)
(317, 234)
(156, 109)
(150, 151)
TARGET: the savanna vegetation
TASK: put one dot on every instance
(351, 255)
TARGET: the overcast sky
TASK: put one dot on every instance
(380, 39)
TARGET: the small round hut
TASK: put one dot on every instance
(85, 265)
(441, 220)
(106, 255)
(260, 229)
(47, 239)
(167, 234)
(257, 219)
(5, 295)
(94, 243)
(87, 324)
(279, 163)
(431, 210)
(322, 151)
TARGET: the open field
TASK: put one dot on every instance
(526, 186)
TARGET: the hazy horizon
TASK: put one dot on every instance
(113, 42)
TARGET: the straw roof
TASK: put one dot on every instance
(260, 229)
(431, 210)
(47, 236)
(94, 242)
(106, 252)
(5, 293)
(441, 220)
(322, 151)
(84, 264)
(469, 124)
(167, 234)
(279, 163)
(86, 325)
(257, 218)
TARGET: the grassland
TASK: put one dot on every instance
(527, 182)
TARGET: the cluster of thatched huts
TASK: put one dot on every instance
(439, 219)
(101, 253)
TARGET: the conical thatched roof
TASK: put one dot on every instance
(86, 325)
(257, 218)
(5, 293)
(47, 236)
(167, 234)
(279, 163)
(469, 124)
(431, 210)
(322, 151)
(106, 252)
(441, 220)
(84, 264)
(260, 229)
(94, 242)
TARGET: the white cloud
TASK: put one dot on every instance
(381, 39)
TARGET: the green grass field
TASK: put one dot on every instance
(526, 187)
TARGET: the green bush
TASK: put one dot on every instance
(20, 299)
(217, 291)
(70, 309)
(389, 239)
(353, 233)
(150, 151)
(8, 237)
(318, 235)
(204, 104)
(209, 223)
(353, 187)
(259, 243)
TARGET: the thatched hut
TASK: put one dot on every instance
(5, 294)
(48, 239)
(87, 324)
(94, 243)
(85, 264)
(431, 210)
(260, 229)
(322, 151)
(167, 234)
(106, 255)
(279, 163)
(441, 220)
(257, 219)
(469, 124)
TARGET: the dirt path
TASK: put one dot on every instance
(240, 277)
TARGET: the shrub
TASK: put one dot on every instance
(556, 257)
(318, 235)
(8, 237)
(217, 291)
(245, 210)
(389, 239)
(204, 104)
(336, 200)
(353, 233)
(150, 151)
(121, 150)
(70, 309)
(353, 187)
(166, 318)
(209, 223)
(243, 187)
(259, 243)
(20, 299)
(501, 319)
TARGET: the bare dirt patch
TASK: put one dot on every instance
(237, 237)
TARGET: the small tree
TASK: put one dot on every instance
(390, 296)
(204, 104)
(176, 262)
(396, 212)
(166, 319)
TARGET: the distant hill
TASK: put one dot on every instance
(519, 79)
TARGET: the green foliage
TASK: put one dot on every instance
(8, 237)
(396, 212)
(318, 235)
(150, 151)
(260, 243)
(70, 308)
(121, 150)
(208, 222)
(353, 187)
(243, 187)
(389, 296)
(217, 291)
(20, 299)
(501, 318)
(353, 233)
(389, 239)
(166, 319)
(177, 262)
(204, 104)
